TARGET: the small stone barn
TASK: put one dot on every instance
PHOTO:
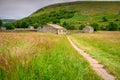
(88, 29)
(52, 28)
(2, 28)
(30, 27)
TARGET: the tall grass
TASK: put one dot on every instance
(103, 46)
(35, 56)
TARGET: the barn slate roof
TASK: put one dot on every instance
(56, 26)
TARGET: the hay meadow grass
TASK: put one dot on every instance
(103, 46)
(37, 56)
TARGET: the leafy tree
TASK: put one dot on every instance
(17, 24)
(112, 26)
(56, 21)
(24, 24)
(68, 26)
(65, 25)
(9, 26)
(36, 25)
(0, 22)
(104, 19)
(50, 17)
(95, 26)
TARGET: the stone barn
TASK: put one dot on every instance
(88, 29)
(52, 28)
(2, 28)
(31, 27)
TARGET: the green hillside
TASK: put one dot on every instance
(74, 14)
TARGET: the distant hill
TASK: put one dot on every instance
(74, 14)
(8, 20)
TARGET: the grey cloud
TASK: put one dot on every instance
(22, 8)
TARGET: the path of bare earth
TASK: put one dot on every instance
(94, 63)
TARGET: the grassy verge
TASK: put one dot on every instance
(104, 46)
(35, 56)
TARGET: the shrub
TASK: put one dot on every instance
(104, 19)
(103, 27)
(95, 26)
(65, 25)
(68, 26)
(81, 26)
(112, 26)
(118, 19)
(9, 26)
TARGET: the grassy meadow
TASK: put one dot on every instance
(103, 46)
(37, 56)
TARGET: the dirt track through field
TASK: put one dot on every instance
(94, 63)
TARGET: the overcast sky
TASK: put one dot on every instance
(16, 9)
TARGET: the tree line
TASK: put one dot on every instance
(54, 17)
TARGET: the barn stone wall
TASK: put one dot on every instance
(50, 29)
